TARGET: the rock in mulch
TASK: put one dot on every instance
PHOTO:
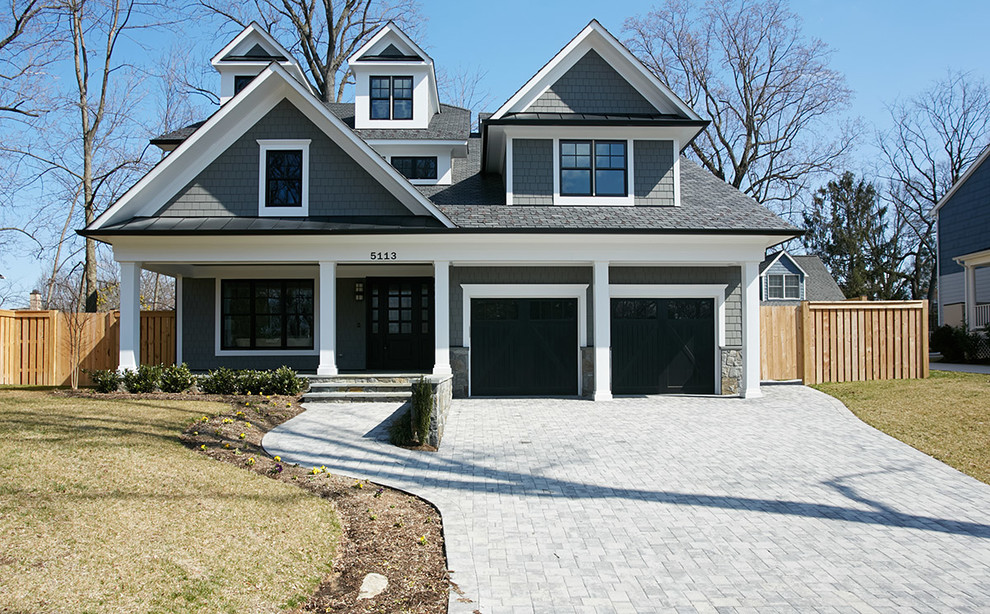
(374, 584)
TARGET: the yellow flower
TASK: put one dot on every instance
(278, 459)
(288, 404)
(202, 447)
(249, 393)
(226, 446)
(242, 435)
(247, 424)
(248, 404)
(422, 540)
(250, 460)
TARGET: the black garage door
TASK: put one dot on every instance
(663, 346)
(524, 347)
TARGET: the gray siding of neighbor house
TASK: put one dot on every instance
(592, 86)
(653, 173)
(964, 221)
(351, 327)
(199, 330)
(783, 266)
(338, 185)
(693, 275)
(532, 172)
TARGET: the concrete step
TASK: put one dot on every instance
(357, 397)
(360, 388)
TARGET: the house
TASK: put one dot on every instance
(787, 279)
(566, 248)
(963, 236)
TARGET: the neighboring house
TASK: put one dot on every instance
(963, 236)
(786, 279)
(565, 249)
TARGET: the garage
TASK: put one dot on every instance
(524, 346)
(663, 345)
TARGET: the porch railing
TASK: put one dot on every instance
(982, 315)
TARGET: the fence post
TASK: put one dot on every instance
(924, 339)
(807, 364)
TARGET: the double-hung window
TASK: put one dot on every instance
(284, 178)
(416, 167)
(266, 314)
(593, 168)
(391, 98)
(784, 286)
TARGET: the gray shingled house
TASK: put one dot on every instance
(566, 248)
(788, 279)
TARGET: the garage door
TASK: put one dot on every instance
(663, 346)
(524, 347)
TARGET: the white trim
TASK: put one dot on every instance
(325, 336)
(418, 142)
(577, 291)
(965, 177)
(974, 259)
(677, 172)
(252, 28)
(441, 318)
(509, 177)
(129, 356)
(750, 286)
(218, 324)
(392, 28)
(789, 257)
(266, 145)
(178, 319)
(594, 201)
(783, 286)
(602, 292)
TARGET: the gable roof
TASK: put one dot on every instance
(395, 32)
(770, 260)
(230, 122)
(819, 285)
(965, 177)
(595, 37)
(257, 55)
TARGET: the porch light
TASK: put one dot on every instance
(359, 291)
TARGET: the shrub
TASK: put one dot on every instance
(145, 379)
(177, 378)
(422, 408)
(219, 381)
(955, 343)
(252, 382)
(105, 380)
(284, 381)
(400, 431)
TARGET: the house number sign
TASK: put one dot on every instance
(383, 256)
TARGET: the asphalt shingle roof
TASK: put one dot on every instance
(819, 285)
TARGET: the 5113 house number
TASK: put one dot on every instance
(383, 256)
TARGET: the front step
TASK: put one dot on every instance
(360, 388)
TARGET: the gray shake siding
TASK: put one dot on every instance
(964, 221)
(199, 334)
(592, 86)
(532, 171)
(653, 172)
(229, 185)
(783, 266)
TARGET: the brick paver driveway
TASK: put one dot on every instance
(685, 504)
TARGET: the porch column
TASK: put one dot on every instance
(969, 285)
(441, 317)
(751, 330)
(178, 319)
(603, 333)
(130, 315)
(327, 318)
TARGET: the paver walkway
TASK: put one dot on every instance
(786, 503)
(948, 366)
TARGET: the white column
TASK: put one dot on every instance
(130, 315)
(969, 285)
(751, 330)
(178, 319)
(441, 317)
(327, 315)
(603, 333)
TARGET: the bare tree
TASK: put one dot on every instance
(462, 88)
(767, 89)
(935, 136)
(325, 32)
(24, 51)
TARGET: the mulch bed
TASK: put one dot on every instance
(385, 531)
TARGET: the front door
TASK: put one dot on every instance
(400, 323)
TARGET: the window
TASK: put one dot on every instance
(391, 98)
(284, 178)
(266, 314)
(241, 82)
(784, 286)
(416, 167)
(593, 168)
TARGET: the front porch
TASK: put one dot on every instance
(976, 306)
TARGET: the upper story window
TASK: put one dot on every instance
(593, 168)
(414, 167)
(284, 180)
(784, 286)
(241, 82)
(391, 98)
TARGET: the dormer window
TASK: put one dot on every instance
(601, 174)
(391, 98)
(284, 178)
(241, 82)
(416, 167)
(784, 286)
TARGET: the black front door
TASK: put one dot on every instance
(400, 323)
(663, 346)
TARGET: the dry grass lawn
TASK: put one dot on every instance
(103, 509)
(946, 416)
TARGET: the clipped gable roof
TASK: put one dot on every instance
(388, 44)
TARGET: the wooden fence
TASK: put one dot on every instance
(40, 348)
(844, 341)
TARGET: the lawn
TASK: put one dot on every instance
(103, 509)
(946, 416)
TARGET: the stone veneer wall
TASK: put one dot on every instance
(459, 365)
(731, 370)
(442, 393)
(587, 371)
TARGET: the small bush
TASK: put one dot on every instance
(146, 379)
(177, 378)
(252, 382)
(422, 408)
(284, 381)
(219, 381)
(105, 380)
(955, 343)
(400, 431)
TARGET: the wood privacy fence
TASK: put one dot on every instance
(40, 348)
(844, 341)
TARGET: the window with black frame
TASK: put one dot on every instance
(391, 97)
(283, 178)
(381, 99)
(593, 168)
(266, 314)
(416, 167)
(241, 82)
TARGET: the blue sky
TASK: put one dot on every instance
(886, 49)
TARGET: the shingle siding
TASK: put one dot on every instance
(229, 185)
(693, 275)
(592, 86)
(532, 171)
(653, 173)
(964, 221)
(783, 266)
